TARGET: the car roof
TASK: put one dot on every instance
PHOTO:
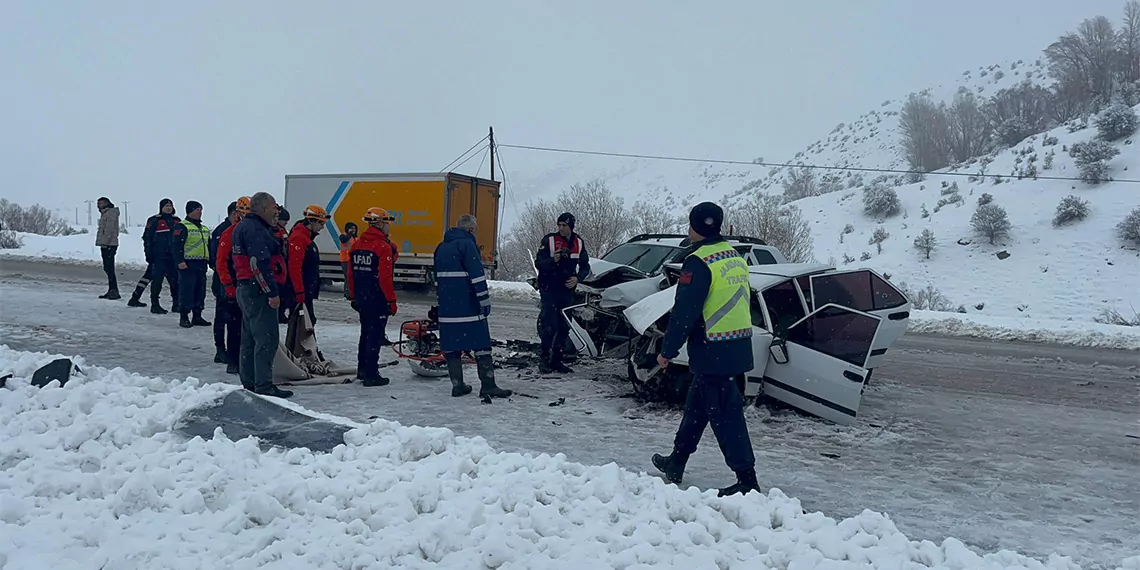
(788, 270)
(678, 240)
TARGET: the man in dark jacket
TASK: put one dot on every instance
(372, 291)
(562, 262)
(227, 278)
(464, 305)
(191, 252)
(255, 251)
(304, 259)
(157, 245)
(220, 302)
(711, 313)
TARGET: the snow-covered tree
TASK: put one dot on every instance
(1116, 122)
(879, 236)
(991, 221)
(985, 198)
(1129, 228)
(778, 224)
(800, 183)
(881, 201)
(925, 242)
(1070, 209)
(1092, 159)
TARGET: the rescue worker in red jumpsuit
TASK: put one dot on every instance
(372, 290)
(227, 277)
(304, 259)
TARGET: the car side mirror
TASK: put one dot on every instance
(778, 350)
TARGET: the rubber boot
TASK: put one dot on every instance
(198, 321)
(113, 295)
(184, 321)
(486, 370)
(745, 483)
(672, 465)
(219, 356)
(455, 372)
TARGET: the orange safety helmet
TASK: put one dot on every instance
(243, 204)
(315, 213)
(378, 215)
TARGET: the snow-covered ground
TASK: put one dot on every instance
(96, 477)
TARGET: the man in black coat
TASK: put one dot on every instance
(157, 240)
(221, 302)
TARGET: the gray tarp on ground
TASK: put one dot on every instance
(242, 414)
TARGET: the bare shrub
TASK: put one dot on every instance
(1129, 228)
(35, 219)
(879, 236)
(929, 298)
(880, 201)
(925, 242)
(1092, 159)
(991, 221)
(780, 225)
(1114, 317)
(9, 240)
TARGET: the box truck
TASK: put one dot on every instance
(424, 206)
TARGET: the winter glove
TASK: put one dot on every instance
(392, 308)
(300, 297)
(231, 292)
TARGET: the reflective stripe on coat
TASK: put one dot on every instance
(461, 289)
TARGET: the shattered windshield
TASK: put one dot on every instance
(645, 258)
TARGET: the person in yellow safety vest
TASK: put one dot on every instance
(347, 240)
(711, 312)
(191, 249)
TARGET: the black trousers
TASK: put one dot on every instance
(144, 282)
(259, 337)
(163, 269)
(716, 400)
(373, 321)
(554, 329)
(108, 252)
(192, 287)
(227, 328)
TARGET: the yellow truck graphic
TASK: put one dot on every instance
(425, 205)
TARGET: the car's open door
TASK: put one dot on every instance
(819, 365)
(867, 291)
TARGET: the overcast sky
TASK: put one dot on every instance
(210, 100)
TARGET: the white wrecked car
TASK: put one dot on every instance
(627, 274)
(817, 335)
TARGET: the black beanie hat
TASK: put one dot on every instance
(192, 205)
(706, 219)
(163, 202)
(283, 215)
(568, 218)
(230, 209)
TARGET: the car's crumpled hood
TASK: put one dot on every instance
(626, 294)
(644, 313)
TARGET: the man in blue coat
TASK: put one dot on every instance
(464, 305)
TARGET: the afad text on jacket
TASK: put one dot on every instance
(370, 272)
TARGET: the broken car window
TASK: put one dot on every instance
(838, 332)
(784, 306)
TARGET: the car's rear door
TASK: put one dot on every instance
(867, 291)
(825, 367)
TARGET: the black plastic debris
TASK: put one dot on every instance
(59, 369)
(4, 380)
(557, 402)
(242, 414)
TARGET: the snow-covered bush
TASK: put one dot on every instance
(864, 256)
(1092, 159)
(1047, 164)
(878, 237)
(880, 201)
(1070, 209)
(985, 198)
(925, 242)
(991, 221)
(1129, 228)
(848, 229)
(1116, 122)
(1050, 141)
(848, 260)
(9, 240)
(927, 299)
(925, 212)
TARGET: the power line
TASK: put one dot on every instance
(485, 137)
(456, 167)
(789, 165)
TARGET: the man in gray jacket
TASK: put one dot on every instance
(107, 239)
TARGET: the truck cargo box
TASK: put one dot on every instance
(424, 205)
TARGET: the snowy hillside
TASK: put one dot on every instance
(97, 476)
(870, 141)
(1070, 272)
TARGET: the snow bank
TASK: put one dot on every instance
(78, 249)
(1026, 329)
(511, 291)
(94, 478)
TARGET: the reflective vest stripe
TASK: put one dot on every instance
(197, 241)
(575, 248)
(452, 274)
(726, 310)
(473, 319)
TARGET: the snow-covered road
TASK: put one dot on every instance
(1027, 447)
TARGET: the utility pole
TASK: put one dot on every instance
(492, 136)
(89, 202)
(126, 212)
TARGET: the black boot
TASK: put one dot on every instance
(488, 388)
(198, 321)
(135, 302)
(672, 465)
(157, 309)
(455, 373)
(219, 356)
(184, 321)
(274, 391)
(372, 380)
(556, 363)
(105, 295)
(113, 295)
(231, 369)
(745, 482)
(544, 362)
